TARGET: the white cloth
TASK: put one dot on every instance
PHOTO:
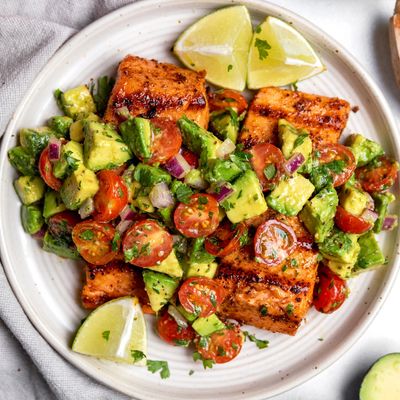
(30, 33)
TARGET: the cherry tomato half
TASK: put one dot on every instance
(191, 158)
(225, 98)
(221, 346)
(199, 217)
(172, 333)
(61, 224)
(274, 241)
(330, 292)
(225, 239)
(111, 197)
(146, 243)
(350, 223)
(267, 161)
(46, 171)
(378, 175)
(338, 152)
(97, 243)
(201, 296)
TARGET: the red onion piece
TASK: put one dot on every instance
(160, 196)
(40, 233)
(177, 166)
(127, 214)
(224, 192)
(227, 147)
(371, 203)
(294, 163)
(390, 222)
(123, 112)
(54, 149)
(177, 316)
(369, 215)
(123, 225)
(87, 208)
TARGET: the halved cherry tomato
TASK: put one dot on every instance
(274, 242)
(146, 243)
(166, 140)
(378, 175)
(221, 346)
(225, 239)
(191, 158)
(225, 98)
(172, 333)
(61, 224)
(201, 296)
(199, 217)
(330, 292)
(46, 171)
(111, 197)
(267, 161)
(97, 243)
(350, 223)
(337, 152)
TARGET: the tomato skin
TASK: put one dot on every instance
(191, 158)
(147, 242)
(201, 296)
(221, 346)
(264, 154)
(273, 242)
(330, 292)
(172, 333)
(111, 197)
(350, 223)
(378, 177)
(199, 217)
(94, 241)
(227, 98)
(338, 152)
(46, 171)
(224, 240)
(62, 224)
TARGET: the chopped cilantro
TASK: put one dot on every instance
(202, 200)
(137, 355)
(105, 335)
(300, 140)
(289, 309)
(262, 46)
(213, 299)
(230, 66)
(263, 311)
(294, 86)
(261, 344)
(206, 363)
(270, 171)
(88, 234)
(182, 342)
(162, 366)
(131, 253)
(115, 241)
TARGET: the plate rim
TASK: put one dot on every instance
(262, 5)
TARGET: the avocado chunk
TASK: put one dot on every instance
(35, 140)
(166, 215)
(382, 201)
(190, 317)
(198, 253)
(341, 269)
(53, 204)
(194, 178)
(71, 158)
(148, 175)
(76, 131)
(370, 255)
(32, 219)
(22, 161)
(79, 186)
(341, 247)
(319, 212)
(159, 287)
(59, 246)
(225, 124)
(354, 200)
(290, 195)
(103, 147)
(207, 269)
(247, 199)
(364, 150)
(144, 204)
(199, 140)
(169, 266)
(30, 189)
(60, 124)
(207, 326)
(218, 171)
(77, 102)
(137, 134)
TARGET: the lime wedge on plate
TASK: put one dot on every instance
(280, 55)
(218, 43)
(115, 331)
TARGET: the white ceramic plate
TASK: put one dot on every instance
(48, 287)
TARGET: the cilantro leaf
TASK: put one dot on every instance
(105, 335)
(261, 344)
(262, 46)
(155, 366)
(137, 355)
(206, 363)
(300, 140)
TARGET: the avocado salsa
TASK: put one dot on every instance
(111, 194)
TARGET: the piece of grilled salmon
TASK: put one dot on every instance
(149, 88)
(323, 117)
(274, 298)
(110, 281)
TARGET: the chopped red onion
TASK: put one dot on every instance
(177, 316)
(371, 203)
(177, 166)
(54, 149)
(227, 147)
(87, 208)
(369, 215)
(123, 225)
(294, 163)
(224, 192)
(160, 196)
(40, 233)
(127, 214)
(390, 222)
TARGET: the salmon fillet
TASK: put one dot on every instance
(107, 282)
(323, 117)
(274, 298)
(149, 88)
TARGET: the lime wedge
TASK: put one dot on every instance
(115, 331)
(218, 43)
(280, 55)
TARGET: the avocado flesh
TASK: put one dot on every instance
(30, 189)
(53, 204)
(32, 219)
(353, 200)
(76, 102)
(207, 326)
(370, 255)
(225, 124)
(364, 150)
(169, 266)
(60, 247)
(23, 161)
(137, 134)
(35, 140)
(71, 157)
